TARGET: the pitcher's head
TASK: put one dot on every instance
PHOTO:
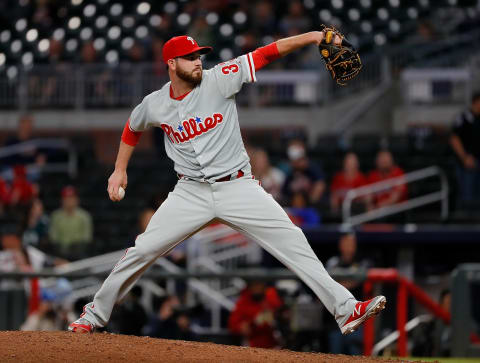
(182, 55)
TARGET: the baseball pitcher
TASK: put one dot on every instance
(198, 115)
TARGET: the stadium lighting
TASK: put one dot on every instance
(394, 3)
(239, 40)
(116, 9)
(128, 22)
(170, 7)
(101, 22)
(59, 34)
(43, 45)
(366, 3)
(354, 14)
(309, 4)
(240, 17)
(114, 32)
(20, 25)
(337, 4)
(424, 3)
(394, 26)
(412, 13)
(366, 26)
(5, 36)
(86, 33)
(325, 15)
(74, 23)
(3, 59)
(89, 10)
(127, 43)
(212, 18)
(226, 54)
(12, 72)
(155, 20)
(32, 35)
(16, 46)
(27, 59)
(226, 30)
(77, 2)
(143, 8)
(99, 44)
(380, 39)
(382, 14)
(71, 45)
(141, 31)
(183, 19)
(111, 56)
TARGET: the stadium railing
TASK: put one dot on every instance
(80, 86)
(442, 196)
(405, 288)
(70, 166)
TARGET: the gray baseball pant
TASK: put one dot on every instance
(241, 203)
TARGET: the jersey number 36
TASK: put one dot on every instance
(232, 68)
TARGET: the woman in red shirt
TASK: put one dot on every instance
(349, 178)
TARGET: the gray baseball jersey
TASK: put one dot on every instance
(202, 134)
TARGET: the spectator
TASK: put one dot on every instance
(25, 133)
(272, 178)
(22, 191)
(4, 196)
(304, 176)
(301, 213)
(442, 333)
(42, 319)
(171, 322)
(71, 228)
(254, 315)
(295, 22)
(130, 315)
(35, 225)
(347, 258)
(386, 169)
(349, 178)
(465, 143)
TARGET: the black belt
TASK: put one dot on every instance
(223, 179)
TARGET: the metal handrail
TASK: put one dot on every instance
(352, 194)
(393, 336)
(51, 143)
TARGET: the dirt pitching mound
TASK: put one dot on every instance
(37, 347)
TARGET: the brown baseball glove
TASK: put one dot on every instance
(342, 60)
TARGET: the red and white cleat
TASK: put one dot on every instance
(81, 325)
(362, 312)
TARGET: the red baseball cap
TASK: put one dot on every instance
(180, 46)
(69, 191)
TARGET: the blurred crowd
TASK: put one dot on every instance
(300, 185)
(33, 238)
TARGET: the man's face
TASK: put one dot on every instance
(384, 161)
(70, 202)
(189, 68)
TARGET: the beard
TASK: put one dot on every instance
(194, 80)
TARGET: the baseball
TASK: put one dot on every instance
(121, 192)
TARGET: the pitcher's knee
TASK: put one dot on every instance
(144, 249)
(147, 247)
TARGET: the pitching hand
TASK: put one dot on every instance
(116, 180)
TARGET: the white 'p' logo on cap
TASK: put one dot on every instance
(191, 39)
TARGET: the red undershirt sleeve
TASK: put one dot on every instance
(265, 55)
(130, 137)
